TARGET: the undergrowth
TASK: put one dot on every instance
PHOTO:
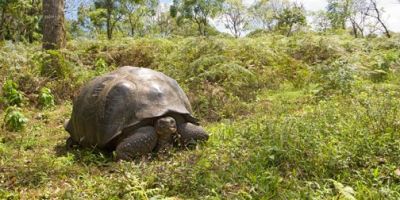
(304, 117)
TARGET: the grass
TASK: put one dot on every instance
(294, 127)
(296, 148)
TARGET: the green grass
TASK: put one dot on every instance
(303, 117)
(295, 148)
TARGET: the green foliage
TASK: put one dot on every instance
(338, 12)
(100, 66)
(46, 98)
(382, 65)
(4, 194)
(122, 17)
(199, 11)
(235, 17)
(280, 16)
(339, 77)
(346, 191)
(289, 118)
(20, 20)
(14, 119)
(54, 65)
(290, 17)
(11, 95)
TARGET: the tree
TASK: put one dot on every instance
(134, 14)
(364, 16)
(358, 17)
(108, 10)
(234, 16)
(338, 12)
(19, 20)
(165, 24)
(321, 21)
(199, 11)
(378, 17)
(80, 26)
(53, 24)
(129, 17)
(54, 38)
(264, 12)
(278, 15)
(292, 15)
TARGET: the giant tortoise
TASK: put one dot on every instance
(133, 111)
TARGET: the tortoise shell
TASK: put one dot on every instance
(121, 101)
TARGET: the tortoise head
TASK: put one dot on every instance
(165, 126)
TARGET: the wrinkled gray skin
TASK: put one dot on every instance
(134, 111)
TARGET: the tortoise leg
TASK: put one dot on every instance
(141, 142)
(190, 134)
(70, 143)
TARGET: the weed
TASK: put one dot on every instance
(11, 95)
(14, 119)
(46, 98)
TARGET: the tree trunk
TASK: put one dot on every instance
(53, 24)
(53, 39)
(132, 26)
(2, 21)
(109, 16)
(355, 32)
(290, 30)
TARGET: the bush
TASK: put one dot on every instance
(382, 64)
(46, 98)
(336, 78)
(54, 65)
(11, 95)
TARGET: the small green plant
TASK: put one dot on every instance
(100, 66)
(46, 98)
(14, 119)
(11, 95)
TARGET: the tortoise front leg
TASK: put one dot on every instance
(190, 134)
(70, 143)
(141, 142)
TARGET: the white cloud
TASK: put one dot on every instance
(392, 16)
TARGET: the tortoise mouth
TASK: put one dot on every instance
(166, 130)
(173, 129)
(165, 126)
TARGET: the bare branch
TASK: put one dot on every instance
(378, 17)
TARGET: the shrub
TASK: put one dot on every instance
(382, 64)
(315, 49)
(14, 119)
(54, 65)
(46, 98)
(11, 95)
(336, 78)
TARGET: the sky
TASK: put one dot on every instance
(391, 8)
(391, 11)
